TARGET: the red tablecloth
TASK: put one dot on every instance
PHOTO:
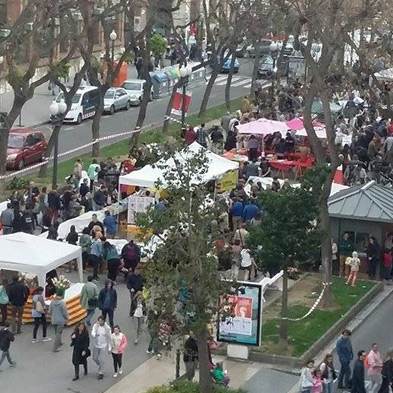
(282, 165)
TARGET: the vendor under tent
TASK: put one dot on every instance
(263, 127)
(149, 175)
(33, 254)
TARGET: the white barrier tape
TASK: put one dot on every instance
(45, 162)
(173, 119)
(314, 306)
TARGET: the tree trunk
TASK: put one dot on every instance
(4, 134)
(95, 128)
(205, 381)
(255, 68)
(229, 81)
(208, 91)
(284, 310)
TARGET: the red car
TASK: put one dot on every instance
(25, 146)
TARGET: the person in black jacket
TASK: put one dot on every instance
(107, 301)
(190, 356)
(18, 294)
(387, 373)
(134, 285)
(358, 374)
(80, 343)
(6, 337)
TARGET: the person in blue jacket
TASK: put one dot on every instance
(250, 211)
(345, 355)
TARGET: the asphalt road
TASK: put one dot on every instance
(73, 136)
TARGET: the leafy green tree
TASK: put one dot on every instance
(158, 45)
(288, 235)
(182, 275)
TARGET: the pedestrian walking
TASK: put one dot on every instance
(131, 255)
(306, 377)
(139, 314)
(38, 313)
(134, 285)
(95, 257)
(3, 302)
(345, 249)
(387, 374)
(328, 374)
(119, 344)
(357, 385)
(374, 364)
(190, 356)
(102, 341)
(7, 219)
(107, 301)
(18, 293)
(345, 356)
(89, 298)
(6, 338)
(317, 386)
(112, 258)
(354, 266)
(80, 342)
(59, 317)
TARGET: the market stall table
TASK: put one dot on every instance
(282, 165)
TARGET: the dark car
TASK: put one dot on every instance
(266, 68)
(25, 146)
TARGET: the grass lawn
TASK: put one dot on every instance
(304, 333)
(120, 149)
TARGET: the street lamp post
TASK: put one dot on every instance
(185, 72)
(113, 38)
(57, 111)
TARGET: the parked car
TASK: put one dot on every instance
(116, 98)
(264, 48)
(266, 68)
(134, 89)
(25, 146)
(227, 65)
(84, 104)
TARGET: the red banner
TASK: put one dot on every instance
(181, 102)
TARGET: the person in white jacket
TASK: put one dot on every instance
(102, 343)
(306, 377)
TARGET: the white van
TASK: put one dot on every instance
(134, 89)
(84, 104)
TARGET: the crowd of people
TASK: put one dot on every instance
(370, 372)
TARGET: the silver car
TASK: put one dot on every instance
(134, 88)
(116, 98)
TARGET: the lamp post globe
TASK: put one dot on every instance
(113, 35)
(183, 71)
(54, 108)
(62, 107)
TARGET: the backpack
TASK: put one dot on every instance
(130, 252)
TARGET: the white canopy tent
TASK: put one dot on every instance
(33, 254)
(149, 175)
(385, 75)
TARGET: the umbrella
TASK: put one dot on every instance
(263, 127)
(297, 124)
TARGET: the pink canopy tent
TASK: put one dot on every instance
(297, 124)
(263, 127)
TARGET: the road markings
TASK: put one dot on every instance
(242, 82)
(223, 82)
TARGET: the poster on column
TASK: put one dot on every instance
(137, 204)
(239, 317)
(181, 102)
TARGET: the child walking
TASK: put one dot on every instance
(317, 381)
(119, 344)
(139, 314)
(354, 264)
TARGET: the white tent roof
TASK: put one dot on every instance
(385, 75)
(148, 175)
(33, 254)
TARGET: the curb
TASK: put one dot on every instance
(355, 323)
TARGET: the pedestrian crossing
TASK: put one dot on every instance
(237, 81)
